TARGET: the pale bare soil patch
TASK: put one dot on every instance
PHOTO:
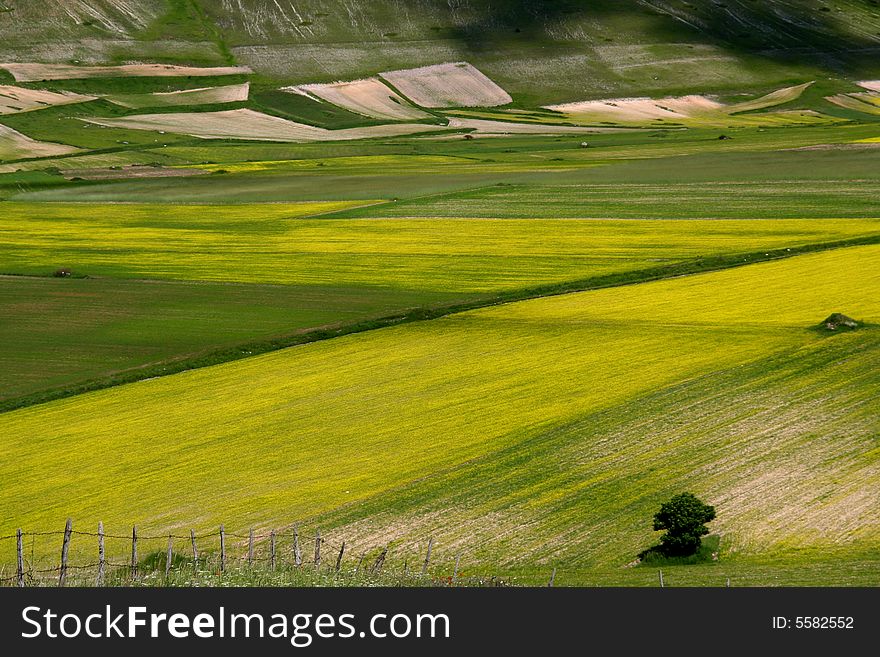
(232, 93)
(34, 72)
(632, 110)
(447, 85)
(87, 161)
(248, 124)
(18, 99)
(369, 97)
(870, 85)
(868, 97)
(865, 103)
(677, 108)
(14, 145)
(774, 98)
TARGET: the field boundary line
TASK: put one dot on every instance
(406, 201)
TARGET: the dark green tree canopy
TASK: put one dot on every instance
(684, 518)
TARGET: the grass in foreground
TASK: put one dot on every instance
(352, 572)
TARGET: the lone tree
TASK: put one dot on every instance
(684, 518)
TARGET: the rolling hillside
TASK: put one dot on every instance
(553, 51)
(505, 274)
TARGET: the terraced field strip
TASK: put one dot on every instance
(352, 164)
(34, 72)
(866, 105)
(134, 172)
(636, 110)
(723, 200)
(696, 156)
(691, 110)
(370, 97)
(872, 98)
(621, 143)
(278, 244)
(15, 145)
(248, 124)
(74, 162)
(447, 85)
(233, 93)
(774, 98)
(19, 99)
(488, 127)
(343, 420)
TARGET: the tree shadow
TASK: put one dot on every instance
(707, 553)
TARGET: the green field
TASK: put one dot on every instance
(697, 200)
(415, 168)
(69, 331)
(516, 343)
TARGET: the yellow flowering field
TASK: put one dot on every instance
(303, 431)
(293, 244)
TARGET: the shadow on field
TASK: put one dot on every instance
(778, 31)
(708, 552)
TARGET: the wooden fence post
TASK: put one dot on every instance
(297, 553)
(272, 550)
(339, 558)
(428, 556)
(222, 549)
(660, 573)
(251, 547)
(317, 548)
(552, 579)
(65, 546)
(360, 561)
(20, 550)
(192, 538)
(99, 581)
(380, 561)
(134, 551)
(169, 555)
(455, 571)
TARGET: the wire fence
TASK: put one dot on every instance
(218, 552)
